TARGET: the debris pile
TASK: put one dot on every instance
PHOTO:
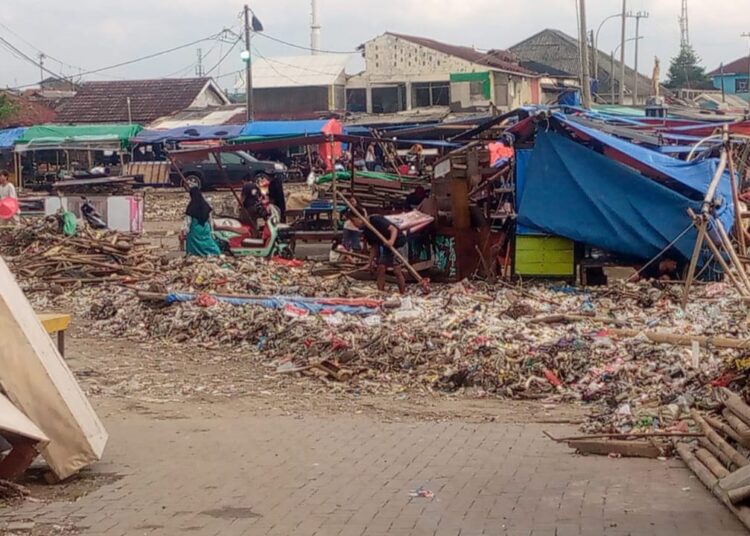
(553, 344)
(39, 255)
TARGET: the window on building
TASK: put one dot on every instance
(356, 100)
(740, 85)
(425, 94)
(476, 90)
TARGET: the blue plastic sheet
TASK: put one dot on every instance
(284, 128)
(688, 178)
(9, 136)
(197, 132)
(572, 191)
(311, 305)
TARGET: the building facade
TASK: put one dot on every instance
(733, 78)
(406, 73)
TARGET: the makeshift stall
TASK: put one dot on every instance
(50, 152)
(9, 160)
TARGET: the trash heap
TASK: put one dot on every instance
(553, 344)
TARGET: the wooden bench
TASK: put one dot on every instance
(56, 323)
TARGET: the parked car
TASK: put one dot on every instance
(237, 166)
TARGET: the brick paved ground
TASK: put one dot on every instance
(233, 475)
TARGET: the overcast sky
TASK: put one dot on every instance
(90, 34)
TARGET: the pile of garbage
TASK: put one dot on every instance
(553, 344)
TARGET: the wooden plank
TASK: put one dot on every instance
(38, 382)
(628, 449)
(15, 464)
(54, 322)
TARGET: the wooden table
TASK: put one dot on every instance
(56, 323)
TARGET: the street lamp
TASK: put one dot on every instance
(612, 71)
(596, 43)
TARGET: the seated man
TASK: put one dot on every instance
(381, 255)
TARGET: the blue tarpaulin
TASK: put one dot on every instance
(573, 191)
(195, 132)
(284, 128)
(9, 136)
(688, 178)
(311, 305)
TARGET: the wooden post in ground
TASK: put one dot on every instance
(696, 253)
(736, 200)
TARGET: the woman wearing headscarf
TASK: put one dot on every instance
(199, 240)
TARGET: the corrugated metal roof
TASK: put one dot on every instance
(233, 114)
(297, 71)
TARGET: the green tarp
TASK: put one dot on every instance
(346, 176)
(52, 136)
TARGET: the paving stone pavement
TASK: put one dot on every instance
(351, 476)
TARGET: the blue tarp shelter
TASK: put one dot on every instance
(284, 129)
(688, 178)
(573, 191)
(195, 132)
(9, 136)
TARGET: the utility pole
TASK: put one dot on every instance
(622, 51)
(638, 16)
(585, 73)
(248, 68)
(41, 57)
(747, 34)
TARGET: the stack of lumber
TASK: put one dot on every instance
(720, 459)
(85, 259)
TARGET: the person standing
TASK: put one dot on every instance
(199, 239)
(7, 189)
(371, 157)
(381, 254)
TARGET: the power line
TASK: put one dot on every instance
(287, 43)
(221, 60)
(110, 67)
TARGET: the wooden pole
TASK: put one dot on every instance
(739, 231)
(724, 266)
(335, 213)
(660, 337)
(421, 280)
(732, 253)
(694, 259)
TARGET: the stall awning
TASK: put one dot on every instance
(9, 136)
(286, 129)
(94, 137)
(195, 132)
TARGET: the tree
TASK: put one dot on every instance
(7, 108)
(685, 71)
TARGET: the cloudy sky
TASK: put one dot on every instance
(84, 35)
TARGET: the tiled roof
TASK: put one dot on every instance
(740, 66)
(494, 59)
(27, 113)
(107, 102)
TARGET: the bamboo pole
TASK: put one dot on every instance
(694, 259)
(710, 447)
(661, 337)
(737, 459)
(732, 253)
(736, 200)
(708, 480)
(713, 465)
(736, 405)
(724, 428)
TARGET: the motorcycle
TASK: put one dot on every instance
(237, 238)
